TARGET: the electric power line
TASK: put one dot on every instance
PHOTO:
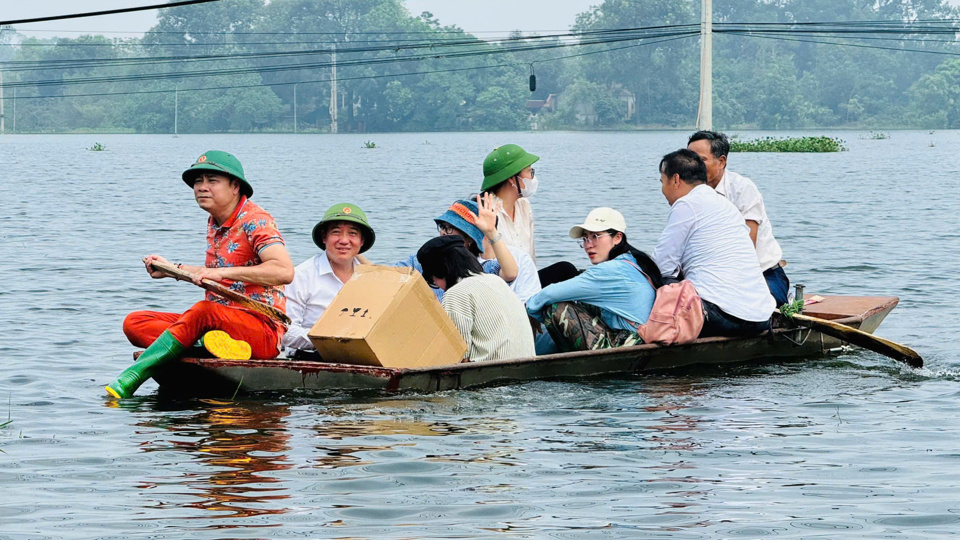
(316, 65)
(364, 77)
(105, 12)
(583, 37)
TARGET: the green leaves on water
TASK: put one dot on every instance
(789, 144)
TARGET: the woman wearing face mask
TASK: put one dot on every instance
(602, 307)
(508, 175)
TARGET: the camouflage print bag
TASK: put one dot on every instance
(578, 327)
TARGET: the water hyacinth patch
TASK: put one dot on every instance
(789, 144)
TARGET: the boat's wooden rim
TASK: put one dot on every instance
(836, 308)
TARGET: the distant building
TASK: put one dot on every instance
(536, 106)
(586, 112)
(629, 100)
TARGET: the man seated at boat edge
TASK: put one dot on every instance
(713, 148)
(342, 234)
(601, 307)
(707, 242)
(245, 251)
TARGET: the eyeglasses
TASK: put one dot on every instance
(446, 229)
(591, 238)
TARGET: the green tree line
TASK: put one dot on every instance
(252, 65)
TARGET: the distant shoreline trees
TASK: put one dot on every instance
(243, 65)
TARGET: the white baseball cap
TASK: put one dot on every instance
(600, 219)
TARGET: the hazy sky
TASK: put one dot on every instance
(471, 15)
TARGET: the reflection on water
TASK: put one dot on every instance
(806, 449)
(672, 400)
(241, 444)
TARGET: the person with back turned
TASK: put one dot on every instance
(707, 242)
(713, 148)
(245, 252)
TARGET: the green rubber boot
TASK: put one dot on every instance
(164, 349)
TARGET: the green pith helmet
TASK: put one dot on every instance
(216, 160)
(345, 212)
(504, 162)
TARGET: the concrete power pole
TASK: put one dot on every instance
(2, 91)
(333, 93)
(705, 112)
(176, 108)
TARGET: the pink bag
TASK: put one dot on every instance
(676, 317)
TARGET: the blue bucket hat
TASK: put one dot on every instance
(462, 215)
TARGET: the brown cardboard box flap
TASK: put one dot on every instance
(386, 316)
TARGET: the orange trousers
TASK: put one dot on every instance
(144, 327)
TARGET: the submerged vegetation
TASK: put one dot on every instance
(789, 144)
(97, 147)
(369, 144)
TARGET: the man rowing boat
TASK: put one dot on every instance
(245, 251)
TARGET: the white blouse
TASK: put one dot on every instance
(518, 232)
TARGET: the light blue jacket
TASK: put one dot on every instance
(618, 288)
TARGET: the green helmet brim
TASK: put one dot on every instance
(369, 237)
(514, 168)
(191, 174)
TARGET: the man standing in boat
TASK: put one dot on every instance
(245, 252)
(713, 148)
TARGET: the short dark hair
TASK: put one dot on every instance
(446, 257)
(719, 144)
(685, 163)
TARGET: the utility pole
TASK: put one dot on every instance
(705, 111)
(2, 92)
(176, 108)
(333, 93)
(295, 107)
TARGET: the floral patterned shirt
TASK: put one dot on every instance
(238, 242)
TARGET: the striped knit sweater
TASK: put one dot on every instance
(490, 317)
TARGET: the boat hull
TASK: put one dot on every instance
(215, 377)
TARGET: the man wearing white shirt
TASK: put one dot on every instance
(713, 148)
(707, 242)
(342, 234)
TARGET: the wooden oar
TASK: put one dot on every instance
(216, 288)
(898, 352)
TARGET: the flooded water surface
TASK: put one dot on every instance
(846, 445)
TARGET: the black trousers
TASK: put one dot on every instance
(557, 272)
(717, 322)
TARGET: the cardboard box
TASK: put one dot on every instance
(389, 317)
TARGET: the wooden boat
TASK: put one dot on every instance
(216, 377)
